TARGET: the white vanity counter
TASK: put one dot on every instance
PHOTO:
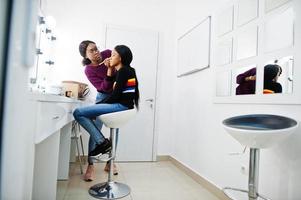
(53, 112)
(37, 96)
(52, 139)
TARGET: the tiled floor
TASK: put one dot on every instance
(147, 180)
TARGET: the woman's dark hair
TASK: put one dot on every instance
(126, 56)
(83, 49)
(271, 71)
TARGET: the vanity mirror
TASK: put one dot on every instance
(44, 61)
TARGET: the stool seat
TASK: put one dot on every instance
(117, 119)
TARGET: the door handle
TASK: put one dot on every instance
(150, 100)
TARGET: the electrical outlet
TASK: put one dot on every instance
(244, 169)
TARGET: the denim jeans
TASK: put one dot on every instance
(92, 144)
(85, 115)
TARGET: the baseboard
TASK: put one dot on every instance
(163, 158)
(199, 179)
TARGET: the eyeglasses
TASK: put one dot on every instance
(95, 49)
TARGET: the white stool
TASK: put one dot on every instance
(112, 189)
(76, 135)
(257, 131)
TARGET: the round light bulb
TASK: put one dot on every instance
(50, 22)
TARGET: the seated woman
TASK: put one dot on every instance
(271, 75)
(124, 96)
(101, 76)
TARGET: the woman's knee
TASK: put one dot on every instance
(76, 113)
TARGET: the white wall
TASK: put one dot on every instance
(87, 19)
(202, 144)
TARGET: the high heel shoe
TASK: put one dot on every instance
(89, 175)
(107, 168)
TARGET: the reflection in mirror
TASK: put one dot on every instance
(278, 76)
(284, 35)
(223, 83)
(224, 52)
(245, 79)
(225, 21)
(272, 4)
(247, 43)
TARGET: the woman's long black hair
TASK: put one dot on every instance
(126, 58)
(83, 49)
(270, 72)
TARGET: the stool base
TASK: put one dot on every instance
(109, 190)
(258, 196)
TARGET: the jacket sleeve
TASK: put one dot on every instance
(101, 84)
(241, 77)
(121, 80)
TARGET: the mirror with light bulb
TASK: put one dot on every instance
(45, 56)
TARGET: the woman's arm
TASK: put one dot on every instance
(246, 76)
(104, 84)
(120, 84)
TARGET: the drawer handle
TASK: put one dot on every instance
(56, 117)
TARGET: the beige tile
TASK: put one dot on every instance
(88, 197)
(147, 180)
(62, 187)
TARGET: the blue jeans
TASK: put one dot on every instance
(92, 144)
(85, 117)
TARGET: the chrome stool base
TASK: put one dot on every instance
(111, 190)
(253, 178)
(244, 191)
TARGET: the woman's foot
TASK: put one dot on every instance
(89, 175)
(107, 168)
(102, 148)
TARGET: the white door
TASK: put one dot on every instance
(136, 139)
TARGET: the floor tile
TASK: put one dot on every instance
(147, 180)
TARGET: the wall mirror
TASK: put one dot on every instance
(224, 52)
(247, 11)
(279, 28)
(244, 80)
(223, 83)
(272, 4)
(225, 21)
(264, 65)
(246, 43)
(278, 76)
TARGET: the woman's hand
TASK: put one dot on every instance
(250, 78)
(110, 70)
(107, 62)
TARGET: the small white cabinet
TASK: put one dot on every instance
(49, 114)
(52, 143)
